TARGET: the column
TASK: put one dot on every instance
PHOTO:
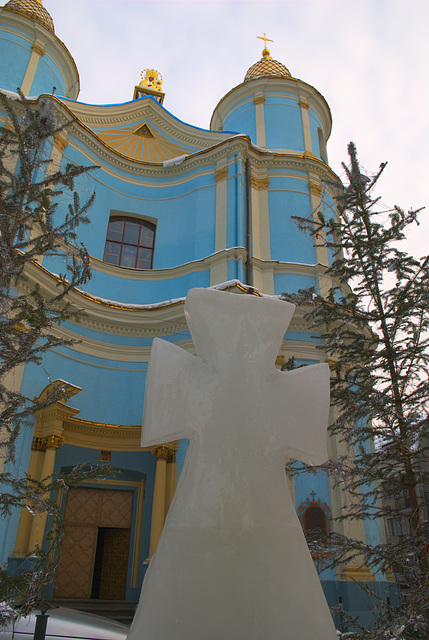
(171, 479)
(158, 508)
(51, 444)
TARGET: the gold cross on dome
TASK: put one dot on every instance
(265, 39)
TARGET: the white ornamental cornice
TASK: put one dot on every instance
(117, 352)
(234, 149)
(302, 350)
(151, 275)
(108, 316)
(156, 320)
(239, 146)
(136, 111)
(289, 268)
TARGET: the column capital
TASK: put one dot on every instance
(162, 452)
(39, 47)
(316, 188)
(171, 456)
(304, 103)
(259, 99)
(61, 141)
(221, 174)
(47, 442)
(38, 444)
(259, 183)
(53, 441)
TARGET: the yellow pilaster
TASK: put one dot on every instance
(60, 143)
(171, 480)
(306, 127)
(324, 283)
(159, 494)
(219, 270)
(48, 436)
(38, 51)
(262, 278)
(22, 542)
(260, 119)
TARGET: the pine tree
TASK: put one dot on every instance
(374, 324)
(33, 226)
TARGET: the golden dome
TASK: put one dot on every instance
(266, 66)
(32, 9)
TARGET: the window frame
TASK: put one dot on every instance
(144, 223)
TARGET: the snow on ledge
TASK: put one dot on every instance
(174, 161)
(164, 303)
(12, 95)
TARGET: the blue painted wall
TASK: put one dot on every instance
(48, 75)
(242, 118)
(283, 123)
(15, 53)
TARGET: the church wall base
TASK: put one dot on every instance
(357, 602)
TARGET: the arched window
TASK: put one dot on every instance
(314, 518)
(130, 242)
(314, 514)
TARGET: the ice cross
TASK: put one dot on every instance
(232, 562)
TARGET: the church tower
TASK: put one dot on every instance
(32, 57)
(288, 122)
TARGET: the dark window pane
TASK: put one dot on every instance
(128, 257)
(146, 236)
(132, 230)
(116, 228)
(144, 259)
(314, 518)
(112, 252)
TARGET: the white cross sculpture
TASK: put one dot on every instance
(232, 562)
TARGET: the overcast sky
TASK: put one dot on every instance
(369, 59)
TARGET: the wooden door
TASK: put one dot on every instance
(87, 511)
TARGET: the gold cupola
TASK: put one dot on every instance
(32, 9)
(266, 66)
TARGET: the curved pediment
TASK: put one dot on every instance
(144, 130)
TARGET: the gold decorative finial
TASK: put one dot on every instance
(265, 52)
(151, 79)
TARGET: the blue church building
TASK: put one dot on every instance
(176, 207)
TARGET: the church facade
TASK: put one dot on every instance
(176, 207)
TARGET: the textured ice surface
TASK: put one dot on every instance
(232, 562)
